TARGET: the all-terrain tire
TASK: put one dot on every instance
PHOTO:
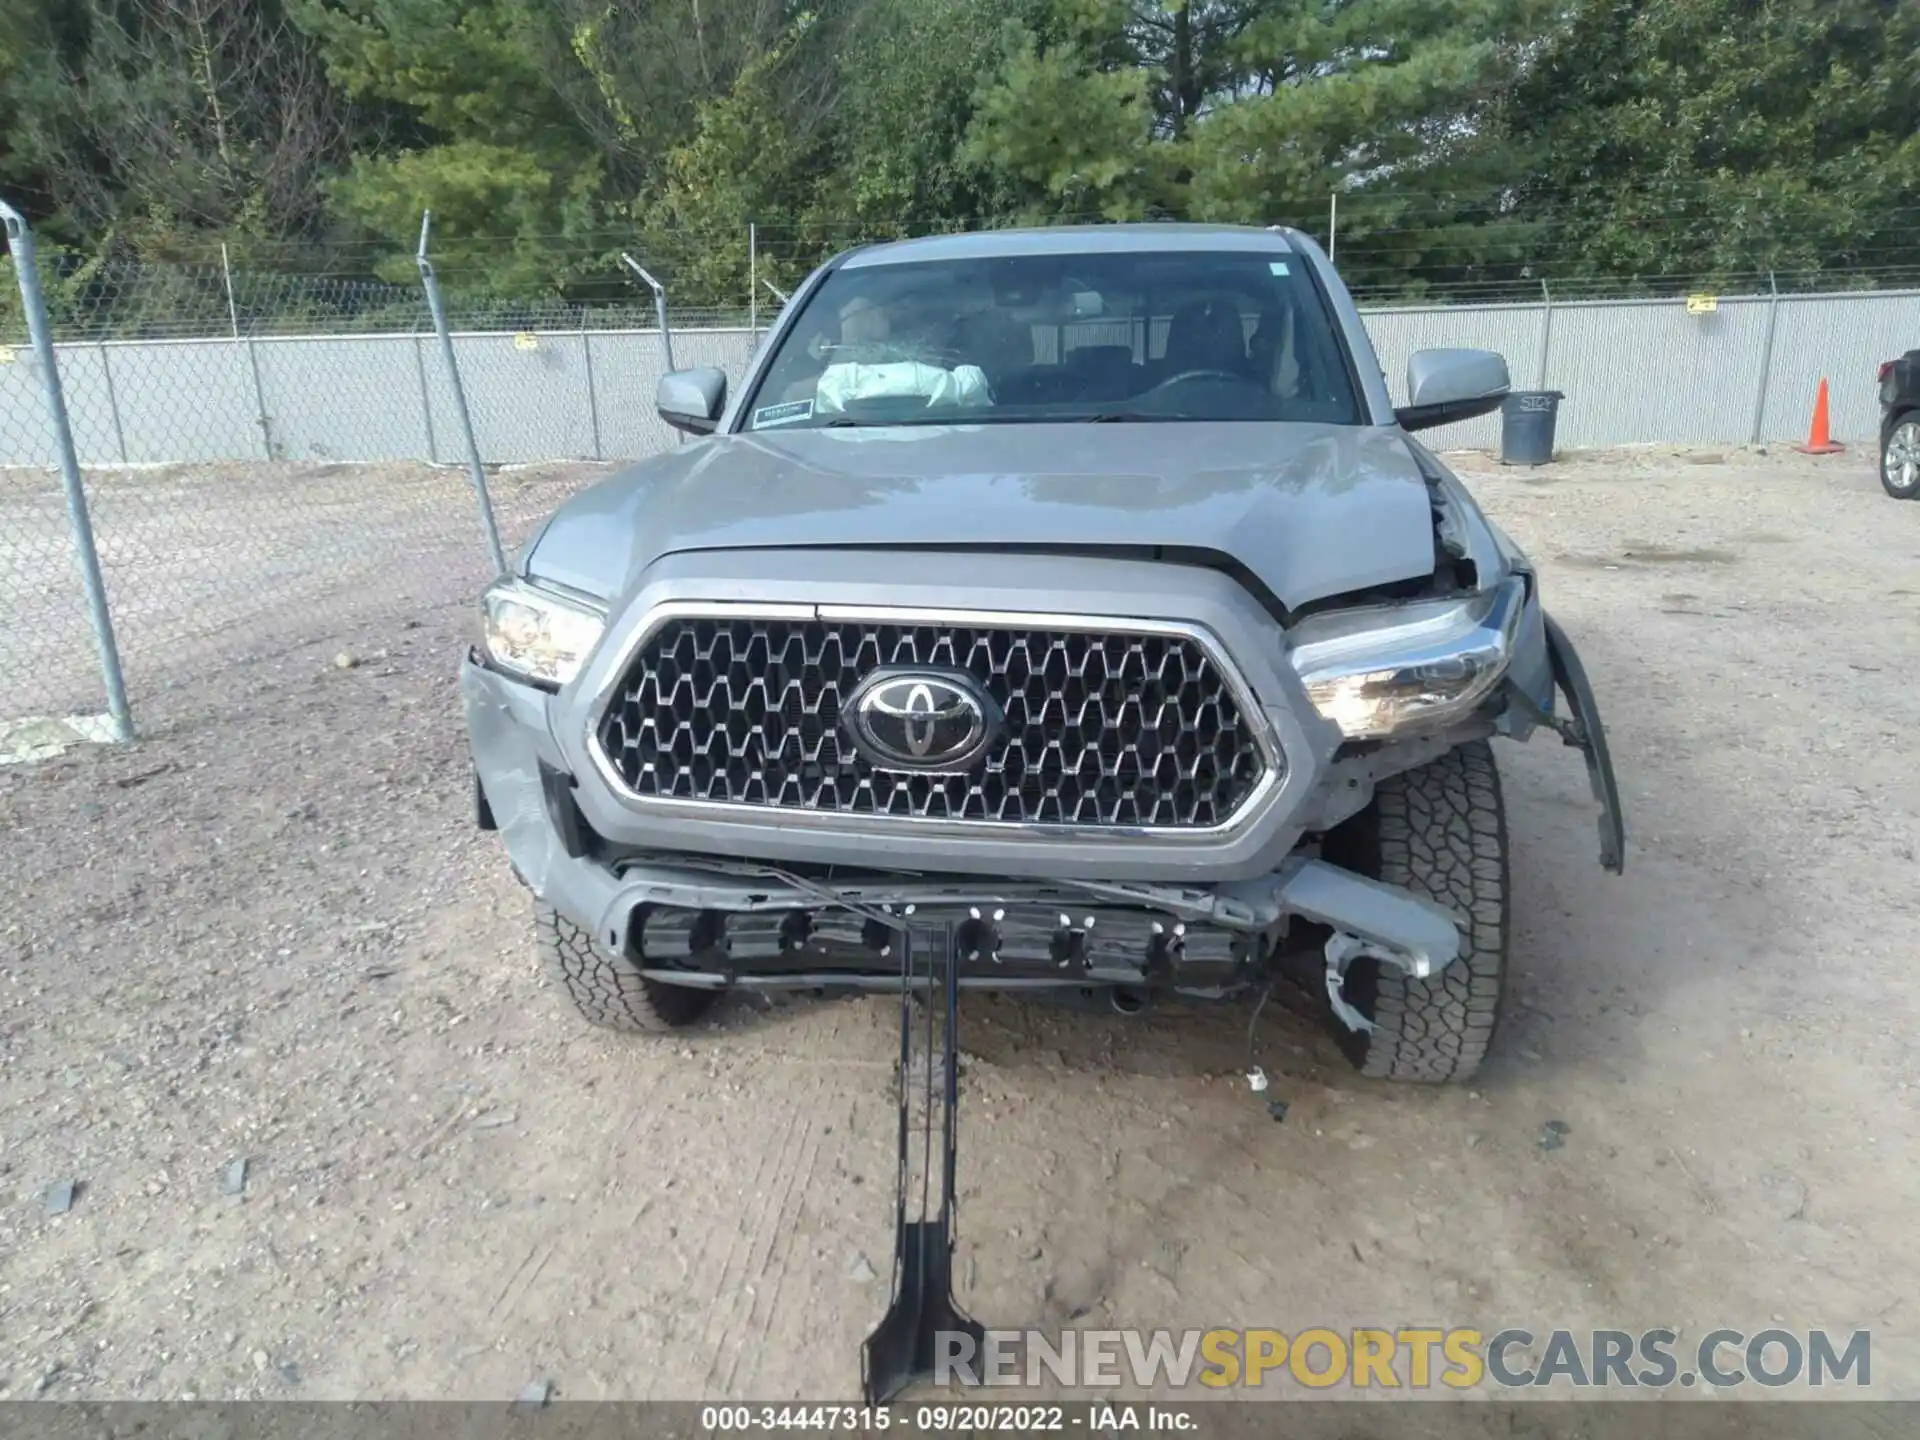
(1441, 832)
(609, 989)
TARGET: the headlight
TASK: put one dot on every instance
(1387, 669)
(537, 634)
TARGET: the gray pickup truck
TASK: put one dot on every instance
(1068, 612)
(1079, 589)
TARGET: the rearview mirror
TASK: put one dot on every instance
(1444, 386)
(692, 400)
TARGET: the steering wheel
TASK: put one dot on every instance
(1185, 375)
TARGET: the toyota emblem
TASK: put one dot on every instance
(930, 721)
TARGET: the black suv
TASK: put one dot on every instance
(1900, 426)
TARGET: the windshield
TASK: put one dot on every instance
(1123, 336)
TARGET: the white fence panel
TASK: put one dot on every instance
(1633, 371)
(1843, 339)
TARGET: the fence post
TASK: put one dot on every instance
(26, 273)
(113, 403)
(1546, 331)
(753, 285)
(593, 399)
(479, 473)
(1766, 359)
(426, 400)
(659, 305)
(253, 360)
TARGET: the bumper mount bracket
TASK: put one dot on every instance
(905, 1345)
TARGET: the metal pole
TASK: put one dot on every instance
(253, 360)
(659, 305)
(1333, 225)
(113, 403)
(1546, 332)
(753, 284)
(426, 401)
(1766, 359)
(27, 274)
(484, 500)
(778, 293)
(226, 274)
(593, 400)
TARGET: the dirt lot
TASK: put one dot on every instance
(270, 932)
(212, 566)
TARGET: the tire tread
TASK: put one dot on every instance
(608, 989)
(1442, 834)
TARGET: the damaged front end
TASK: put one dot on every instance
(725, 925)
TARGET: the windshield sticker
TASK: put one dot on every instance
(1277, 267)
(782, 414)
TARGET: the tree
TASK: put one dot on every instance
(746, 158)
(1688, 137)
(476, 131)
(1069, 123)
(1468, 141)
(1250, 111)
(148, 120)
(899, 160)
(1390, 104)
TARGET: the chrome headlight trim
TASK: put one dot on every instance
(536, 633)
(1388, 670)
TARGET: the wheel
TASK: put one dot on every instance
(1441, 832)
(1900, 458)
(609, 989)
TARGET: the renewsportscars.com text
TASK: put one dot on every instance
(1405, 1358)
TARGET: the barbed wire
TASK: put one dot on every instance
(323, 293)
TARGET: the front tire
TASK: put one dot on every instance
(1900, 458)
(609, 989)
(1439, 831)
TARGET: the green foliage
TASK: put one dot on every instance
(462, 67)
(1075, 136)
(899, 154)
(1470, 142)
(1729, 136)
(143, 121)
(744, 160)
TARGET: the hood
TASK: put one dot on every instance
(1311, 510)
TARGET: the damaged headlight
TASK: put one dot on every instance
(1386, 669)
(537, 634)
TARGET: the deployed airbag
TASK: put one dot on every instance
(964, 387)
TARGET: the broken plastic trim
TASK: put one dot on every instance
(1571, 676)
(1342, 950)
(1583, 731)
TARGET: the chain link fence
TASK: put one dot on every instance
(269, 458)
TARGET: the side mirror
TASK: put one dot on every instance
(1444, 386)
(692, 400)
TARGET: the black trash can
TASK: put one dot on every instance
(1526, 426)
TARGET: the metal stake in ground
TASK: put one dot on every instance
(494, 552)
(26, 272)
(905, 1344)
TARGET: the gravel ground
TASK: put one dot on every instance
(212, 566)
(269, 932)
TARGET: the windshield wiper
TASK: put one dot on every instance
(1142, 417)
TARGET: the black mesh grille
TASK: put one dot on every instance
(1101, 728)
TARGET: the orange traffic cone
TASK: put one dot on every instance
(1819, 442)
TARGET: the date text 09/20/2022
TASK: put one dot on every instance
(963, 1419)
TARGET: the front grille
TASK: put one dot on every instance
(1102, 728)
